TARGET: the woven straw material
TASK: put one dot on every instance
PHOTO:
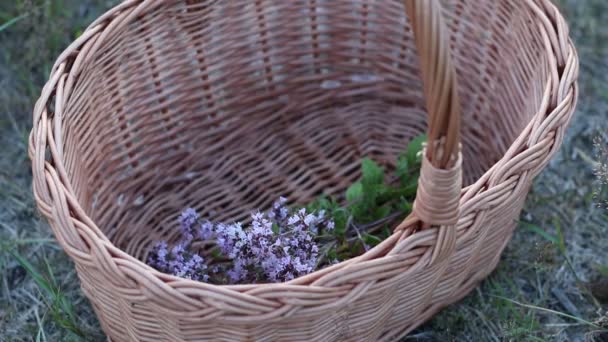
(225, 105)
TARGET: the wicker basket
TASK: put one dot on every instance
(228, 104)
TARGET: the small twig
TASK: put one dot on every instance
(385, 219)
(375, 224)
(358, 234)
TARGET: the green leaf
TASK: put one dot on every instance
(372, 173)
(371, 194)
(391, 194)
(371, 240)
(332, 254)
(386, 232)
(340, 218)
(325, 203)
(411, 181)
(216, 254)
(402, 170)
(359, 213)
(276, 229)
(354, 192)
(415, 146)
(406, 206)
(381, 212)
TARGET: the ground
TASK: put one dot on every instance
(548, 285)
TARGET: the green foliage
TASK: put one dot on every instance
(371, 204)
(413, 148)
(354, 192)
(340, 217)
(60, 308)
(371, 172)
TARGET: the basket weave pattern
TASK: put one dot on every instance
(227, 104)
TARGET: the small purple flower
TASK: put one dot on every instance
(310, 220)
(206, 230)
(188, 218)
(178, 261)
(158, 257)
(293, 220)
(238, 272)
(257, 216)
(162, 250)
(187, 222)
(284, 212)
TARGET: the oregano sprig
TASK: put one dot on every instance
(372, 203)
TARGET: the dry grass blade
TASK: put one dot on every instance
(534, 307)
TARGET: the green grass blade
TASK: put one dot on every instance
(31, 270)
(536, 229)
(61, 309)
(12, 22)
(50, 273)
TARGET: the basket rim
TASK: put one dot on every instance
(51, 184)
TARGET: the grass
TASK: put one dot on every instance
(543, 290)
(57, 305)
(12, 21)
(40, 298)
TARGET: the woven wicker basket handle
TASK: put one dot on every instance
(438, 197)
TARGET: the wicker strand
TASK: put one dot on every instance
(438, 201)
(438, 195)
(439, 79)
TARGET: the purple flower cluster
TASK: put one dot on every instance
(179, 261)
(279, 245)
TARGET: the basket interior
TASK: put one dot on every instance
(226, 105)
